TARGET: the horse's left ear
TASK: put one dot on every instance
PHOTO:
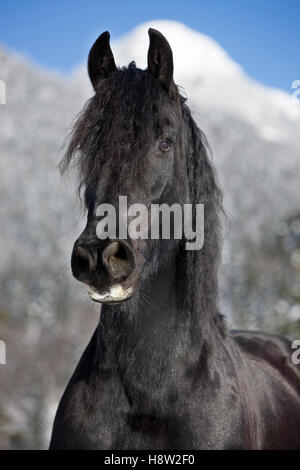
(101, 63)
(160, 60)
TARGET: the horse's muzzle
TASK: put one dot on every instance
(108, 269)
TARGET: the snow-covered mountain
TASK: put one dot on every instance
(254, 133)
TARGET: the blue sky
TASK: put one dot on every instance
(262, 35)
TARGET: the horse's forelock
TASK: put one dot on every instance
(117, 125)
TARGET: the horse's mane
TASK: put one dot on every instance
(201, 266)
(119, 117)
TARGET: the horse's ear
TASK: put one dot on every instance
(101, 63)
(160, 60)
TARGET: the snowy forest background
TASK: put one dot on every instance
(46, 318)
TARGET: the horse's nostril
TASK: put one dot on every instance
(84, 260)
(118, 260)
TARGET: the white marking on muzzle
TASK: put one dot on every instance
(115, 294)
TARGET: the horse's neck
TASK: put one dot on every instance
(151, 335)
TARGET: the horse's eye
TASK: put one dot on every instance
(165, 146)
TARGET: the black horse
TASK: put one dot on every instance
(162, 370)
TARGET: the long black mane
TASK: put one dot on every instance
(117, 126)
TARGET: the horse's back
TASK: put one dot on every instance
(272, 350)
(275, 384)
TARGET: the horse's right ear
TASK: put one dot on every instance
(101, 63)
(160, 60)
